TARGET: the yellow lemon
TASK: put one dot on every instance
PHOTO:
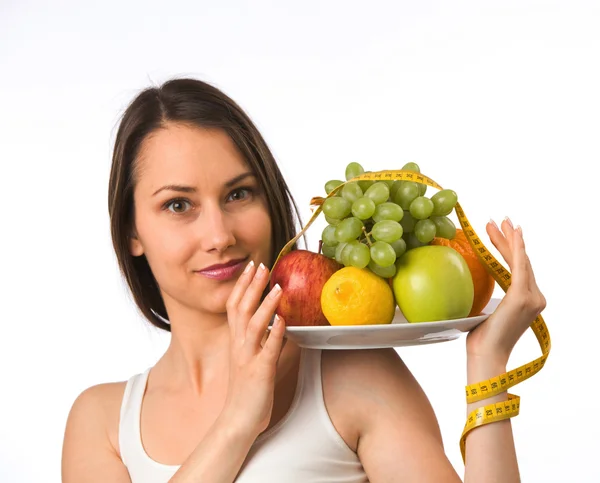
(356, 296)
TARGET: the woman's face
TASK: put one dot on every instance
(197, 204)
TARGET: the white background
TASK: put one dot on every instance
(499, 101)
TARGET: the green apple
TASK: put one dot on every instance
(432, 283)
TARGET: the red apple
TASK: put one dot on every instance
(301, 274)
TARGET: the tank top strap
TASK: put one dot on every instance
(130, 443)
(315, 400)
(312, 379)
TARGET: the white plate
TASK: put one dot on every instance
(399, 333)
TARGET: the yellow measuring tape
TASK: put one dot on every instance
(485, 389)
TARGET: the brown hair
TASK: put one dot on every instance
(193, 102)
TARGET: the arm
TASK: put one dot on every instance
(399, 436)
(399, 433)
(490, 449)
(219, 456)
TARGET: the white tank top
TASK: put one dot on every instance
(303, 447)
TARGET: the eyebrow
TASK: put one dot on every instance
(191, 189)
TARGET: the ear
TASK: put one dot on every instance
(135, 245)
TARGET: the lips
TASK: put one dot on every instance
(224, 271)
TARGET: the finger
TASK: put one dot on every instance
(499, 241)
(532, 282)
(508, 229)
(535, 299)
(242, 283)
(251, 297)
(260, 320)
(275, 342)
(266, 337)
(520, 274)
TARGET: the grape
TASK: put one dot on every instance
(387, 231)
(351, 192)
(425, 230)
(421, 208)
(338, 251)
(384, 272)
(399, 247)
(328, 236)
(389, 182)
(378, 192)
(445, 227)
(388, 211)
(328, 251)
(365, 184)
(407, 222)
(332, 221)
(346, 254)
(331, 185)
(348, 229)
(353, 170)
(358, 254)
(383, 254)
(412, 241)
(406, 193)
(444, 202)
(338, 208)
(363, 208)
(341, 253)
(411, 167)
(394, 188)
(415, 167)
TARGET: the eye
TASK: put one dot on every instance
(240, 194)
(177, 206)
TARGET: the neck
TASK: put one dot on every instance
(198, 354)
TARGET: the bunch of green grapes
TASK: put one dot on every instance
(373, 223)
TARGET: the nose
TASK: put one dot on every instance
(215, 230)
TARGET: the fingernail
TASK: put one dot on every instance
(249, 266)
(277, 321)
(507, 220)
(493, 223)
(520, 230)
(275, 291)
(262, 268)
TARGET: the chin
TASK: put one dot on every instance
(217, 303)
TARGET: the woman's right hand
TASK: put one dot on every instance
(253, 367)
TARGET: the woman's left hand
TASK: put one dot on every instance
(496, 337)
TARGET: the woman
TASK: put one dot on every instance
(194, 227)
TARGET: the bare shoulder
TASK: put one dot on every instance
(105, 394)
(364, 387)
(364, 370)
(101, 403)
(370, 362)
(91, 434)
